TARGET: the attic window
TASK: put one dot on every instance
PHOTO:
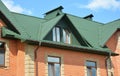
(66, 36)
(56, 34)
(61, 35)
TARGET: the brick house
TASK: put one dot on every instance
(59, 44)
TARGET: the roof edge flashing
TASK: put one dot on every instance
(58, 8)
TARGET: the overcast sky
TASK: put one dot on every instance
(103, 10)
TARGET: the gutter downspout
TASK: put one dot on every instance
(36, 65)
(39, 38)
(109, 65)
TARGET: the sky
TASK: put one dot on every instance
(104, 11)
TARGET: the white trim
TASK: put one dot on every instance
(97, 64)
(55, 55)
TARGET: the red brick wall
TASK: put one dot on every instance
(73, 61)
(16, 57)
(114, 44)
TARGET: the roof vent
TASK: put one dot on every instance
(89, 17)
(53, 13)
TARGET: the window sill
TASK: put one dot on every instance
(3, 67)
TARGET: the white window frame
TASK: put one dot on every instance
(90, 67)
(2, 54)
(52, 66)
(66, 36)
(56, 34)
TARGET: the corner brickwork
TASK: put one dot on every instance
(29, 61)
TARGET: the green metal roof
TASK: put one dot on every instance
(108, 30)
(49, 25)
(35, 29)
(29, 24)
(4, 10)
(88, 29)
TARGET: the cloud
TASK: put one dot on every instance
(10, 4)
(103, 4)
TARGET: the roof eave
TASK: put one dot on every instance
(70, 47)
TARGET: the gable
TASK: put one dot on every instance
(113, 41)
(76, 38)
(62, 25)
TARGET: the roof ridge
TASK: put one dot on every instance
(85, 19)
(113, 21)
(27, 15)
(53, 18)
(60, 8)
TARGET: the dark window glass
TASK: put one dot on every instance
(2, 54)
(91, 68)
(53, 66)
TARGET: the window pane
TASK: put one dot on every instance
(88, 72)
(57, 69)
(90, 63)
(91, 68)
(58, 33)
(93, 71)
(50, 69)
(2, 57)
(53, 59)
(54, 36)
(66, 36)
(1, 45)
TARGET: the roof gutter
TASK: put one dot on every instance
(72, 48)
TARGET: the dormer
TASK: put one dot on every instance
(53, 13)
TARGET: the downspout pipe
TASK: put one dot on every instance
(109, 66)
(36, 61)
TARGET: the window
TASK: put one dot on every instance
(91, 68)
(2, 54)
(66, 36)
(53, 66)
(56, 34)
(61, 34)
